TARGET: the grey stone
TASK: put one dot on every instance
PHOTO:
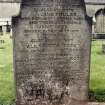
(11, 1)
(51, 52)
(9, 9)
(1, 31)
(103, 48)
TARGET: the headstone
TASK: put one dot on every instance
(9, 8)
(8, 27)
(10, 1)
(51, 52)
(103, 48)
(1, 30)
(100, 24)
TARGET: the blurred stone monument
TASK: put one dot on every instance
(103, 48)
(8, 27)
(9, 8)
(51, 52)
(1, 31)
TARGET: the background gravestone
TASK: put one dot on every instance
(103, 48)
(9, 8)
(10, 1)
(51, 52)
(1, 30)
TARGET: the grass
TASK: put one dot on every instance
(97, 74)
(7, 90)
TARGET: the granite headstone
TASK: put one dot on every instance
(51, 52)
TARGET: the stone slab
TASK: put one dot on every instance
(51, 52)
(10, 1)
(9, 9)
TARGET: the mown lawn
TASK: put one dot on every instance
(97, 73)
(7, 90)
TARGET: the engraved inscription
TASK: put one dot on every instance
(51, 52)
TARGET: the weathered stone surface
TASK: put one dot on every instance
(92, 6)
(103, 48)
(6, 1)
(51, 52)
(9, 9)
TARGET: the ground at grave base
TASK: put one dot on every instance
(65, 101)
(74, 102)
(89, 103)
(68, 102)
(96, 103)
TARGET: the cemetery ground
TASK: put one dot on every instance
(7, 93)
(97, 72)
(7, 88)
